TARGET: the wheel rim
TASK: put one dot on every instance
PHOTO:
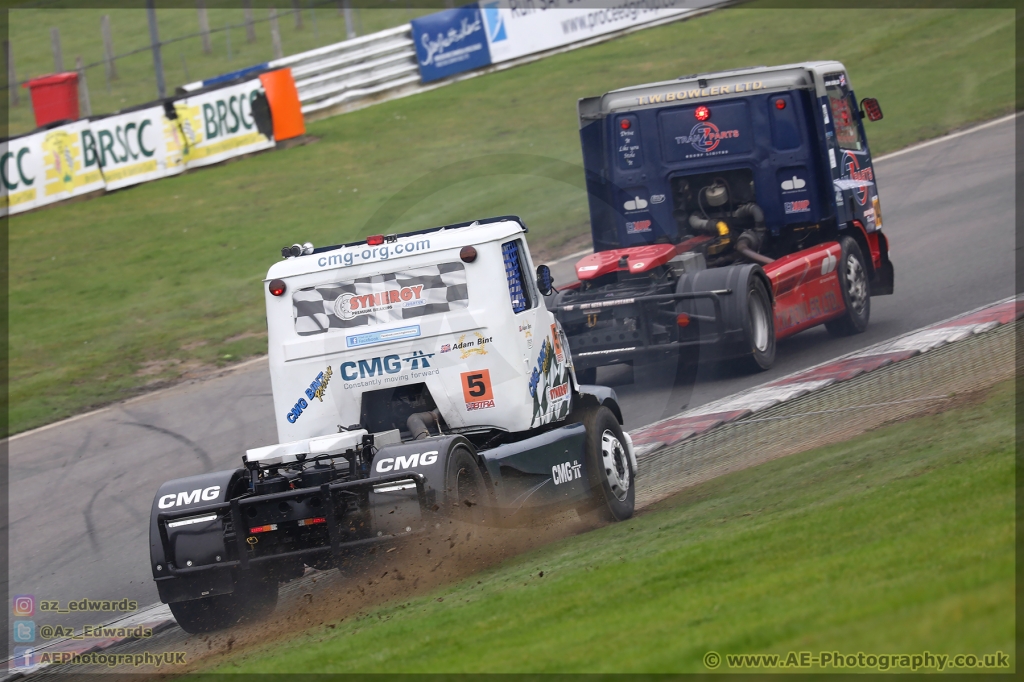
(616, 466)
(856, 284)
(758, 323)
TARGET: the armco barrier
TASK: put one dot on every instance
(349, 71)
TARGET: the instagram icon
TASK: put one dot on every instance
(24, 605)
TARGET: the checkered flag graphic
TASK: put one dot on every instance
(431, 289)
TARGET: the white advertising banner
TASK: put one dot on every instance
(520, 27)
(44, 168)
(21, 174)
(137, 146)
(219, 124)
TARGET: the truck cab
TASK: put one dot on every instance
(790, 138)
(750, 165)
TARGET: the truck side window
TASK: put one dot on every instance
(518, 287)
(844, 117)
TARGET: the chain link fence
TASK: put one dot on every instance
(922, 383)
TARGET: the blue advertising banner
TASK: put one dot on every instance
(450, 42)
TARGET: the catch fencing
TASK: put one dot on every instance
(926, 382)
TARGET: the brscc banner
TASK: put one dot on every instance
(44, 168)
(137, 146)
(21, 173)
(219, 124)
(450, 42)
(516, 28)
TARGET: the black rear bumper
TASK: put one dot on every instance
(233, 538)
(598, 335)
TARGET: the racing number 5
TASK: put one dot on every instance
(476, 386)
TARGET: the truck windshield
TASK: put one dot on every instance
(380, 299)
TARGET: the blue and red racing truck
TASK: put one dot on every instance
(728, 210)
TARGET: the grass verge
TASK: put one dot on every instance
(151, 284)
(898, 542)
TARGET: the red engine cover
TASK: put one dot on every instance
(806, 288)
(641, 259)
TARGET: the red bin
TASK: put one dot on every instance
(54, 97)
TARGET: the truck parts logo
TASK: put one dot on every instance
(852, 170)
(802, 206)
(348, 306)
(566, 472)
(638, 226)
(705, 137)
(319, 385)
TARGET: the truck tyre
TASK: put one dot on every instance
(467, 493)
(254, 598)
(759, 327)
(853, 282)
(608, 467)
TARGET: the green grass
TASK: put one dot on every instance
(899, 541)
(184, 60)
(138, 286)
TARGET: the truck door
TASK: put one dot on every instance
(852, 172)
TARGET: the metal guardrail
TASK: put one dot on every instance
(352, 70)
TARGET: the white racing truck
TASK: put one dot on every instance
(415, 377)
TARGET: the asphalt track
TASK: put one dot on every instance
(81, 490)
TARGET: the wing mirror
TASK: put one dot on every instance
(870, 106)
(545, 282)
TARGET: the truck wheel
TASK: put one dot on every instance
(254, 598)
(608, 466)
(759, 326)
(468, 496)
(853, 281)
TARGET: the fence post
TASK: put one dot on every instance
(312, 14)
(204, 25)
(275, 34)
(227, 35)
(12, 79)
(58, 57)
(297, 11)
(154, 42)
(108, 50)
(83, 88)
(350, 27)
(250, 25)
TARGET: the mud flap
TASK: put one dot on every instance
(193, 540)
(395, 507)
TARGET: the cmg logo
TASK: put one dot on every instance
(186, 498)
(406, 462)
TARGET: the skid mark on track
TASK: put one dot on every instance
(90, 527)
(202, 454)
(73, 459)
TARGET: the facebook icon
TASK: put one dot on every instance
(24, 657)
